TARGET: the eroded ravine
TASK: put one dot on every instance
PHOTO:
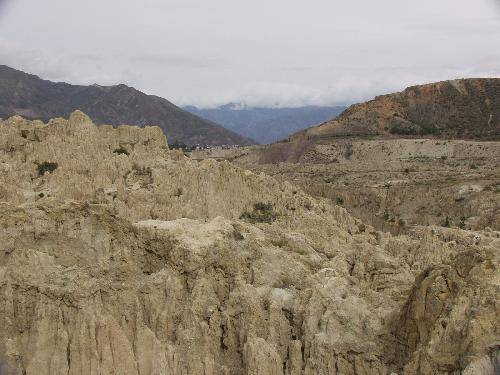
(137, 262)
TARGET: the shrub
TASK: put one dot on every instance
(46, 166)
(461, 225)
(141, 170)
(428, 129)
(237, 234)
(402, 130)
(121, 151)
(348, 152)
(339, 201)
(447, 222)
(387, 216)
(262, 213)
(176, 145)
(279, 242)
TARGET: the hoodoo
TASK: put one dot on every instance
(118, 255)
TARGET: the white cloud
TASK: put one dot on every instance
(264, 52)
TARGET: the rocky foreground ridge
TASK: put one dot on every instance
(119, 256)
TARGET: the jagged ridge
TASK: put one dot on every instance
(126, 257)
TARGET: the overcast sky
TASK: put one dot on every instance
(260, 52)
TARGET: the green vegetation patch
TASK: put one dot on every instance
(46, 166)
(181, 146)
(262, 213)
(121, 151)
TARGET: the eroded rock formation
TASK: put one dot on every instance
(118, 256)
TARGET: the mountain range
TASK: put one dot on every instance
(267, 125)
(35, 98)
(457, 109)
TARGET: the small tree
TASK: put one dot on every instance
(121, 151)
(461, 225)
(447, 222)
(46, 166)
(262, 213)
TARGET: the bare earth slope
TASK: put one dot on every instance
(29, 96)
(119, 256)
(393, 184)
(459, 109)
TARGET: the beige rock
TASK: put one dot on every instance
(140, 264)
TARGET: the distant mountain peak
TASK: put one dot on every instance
(234, 106)
(266, 125)
(35, 98)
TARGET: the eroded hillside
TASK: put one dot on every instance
(120, 256)
(459, 109)
(444, 169)
(393, 184)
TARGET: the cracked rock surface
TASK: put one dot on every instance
(119, 256)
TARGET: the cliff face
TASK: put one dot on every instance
(120, 256)
(29, 96)
(459, 109)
